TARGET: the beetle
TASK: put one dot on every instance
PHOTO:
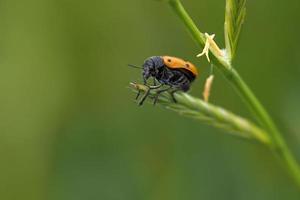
(174, 73)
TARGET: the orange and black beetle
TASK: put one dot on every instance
(172, 72)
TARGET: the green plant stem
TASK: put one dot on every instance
(278, 145)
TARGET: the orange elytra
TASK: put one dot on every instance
(178, 63)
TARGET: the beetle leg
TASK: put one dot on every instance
(182, 78)
(172, 94)
(144, 97)
(138, 94)
(147, 93)
(158, 93)
(155, 87)
(145, 80)
(154, 81)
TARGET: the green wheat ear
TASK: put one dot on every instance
(265, 131)
(210, 114)
(235, 13)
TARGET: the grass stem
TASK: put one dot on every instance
(278, 145)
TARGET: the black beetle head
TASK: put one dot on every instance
(151, 65)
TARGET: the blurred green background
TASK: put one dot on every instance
(70, 129)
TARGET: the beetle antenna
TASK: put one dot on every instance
(134, 66)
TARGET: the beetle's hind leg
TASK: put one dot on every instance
(183, 85)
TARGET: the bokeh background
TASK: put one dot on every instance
(71, 130)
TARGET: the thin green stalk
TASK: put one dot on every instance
(279, 145)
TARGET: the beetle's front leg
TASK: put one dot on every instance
(148, 92)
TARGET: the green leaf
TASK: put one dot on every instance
(234, 18)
